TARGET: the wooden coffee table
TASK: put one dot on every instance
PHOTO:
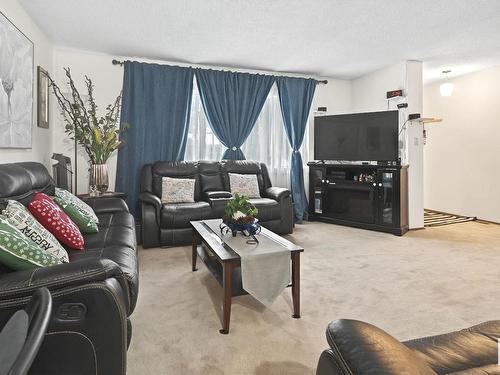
(225, 265)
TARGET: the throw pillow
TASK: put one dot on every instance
(19, 216)
(78, 203)
(244, 184)
(20, 253)
(84, 221)
(53, 218)
(177, 190)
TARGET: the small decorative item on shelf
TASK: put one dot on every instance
(98, 135)
(240, 216)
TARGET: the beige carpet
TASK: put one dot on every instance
(427, 282)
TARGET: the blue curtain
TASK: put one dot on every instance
(156, 103)
(296, 96)
(232, 102)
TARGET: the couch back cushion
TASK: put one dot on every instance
(175, 169)
(241, 167)
(20, 181)
(210, 176)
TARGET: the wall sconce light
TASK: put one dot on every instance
(447, 87)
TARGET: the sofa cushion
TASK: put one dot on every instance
(80, 205)
(210, 176)
(178, 215)
(177, 190)
(242, 167)
(244, 184)
(269, 209)
(19, 216)
(84, 221)
(53, 218)
(20, 253)
(115, 229)
(175, 169)
(19, 181)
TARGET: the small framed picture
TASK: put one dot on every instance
(43, 98)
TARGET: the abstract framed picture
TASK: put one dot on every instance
(16, 89)
(42, 98)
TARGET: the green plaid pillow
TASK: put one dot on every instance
(20, 253)
(81, 219)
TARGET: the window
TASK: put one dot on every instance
(267, 143)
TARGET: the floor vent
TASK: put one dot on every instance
(436, 218)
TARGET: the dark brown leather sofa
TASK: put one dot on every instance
(168, 224)
(93, 295)
(358, 348)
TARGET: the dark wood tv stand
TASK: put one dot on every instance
(378, 202)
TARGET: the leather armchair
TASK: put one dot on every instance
(361, 348)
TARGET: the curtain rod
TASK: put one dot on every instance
(117, 62)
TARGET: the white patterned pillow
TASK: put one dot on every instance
(177, 190)
(19, 216)
(244, 184)
(76, 202)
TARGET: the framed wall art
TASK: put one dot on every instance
(16, 86)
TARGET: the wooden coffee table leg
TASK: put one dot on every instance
(296, 284)
(227, 285)
(196, 242)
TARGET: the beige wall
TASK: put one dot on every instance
(41, 138)
(462, 154)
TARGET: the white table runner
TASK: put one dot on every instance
(265, 266)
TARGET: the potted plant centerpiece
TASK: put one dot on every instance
(240, 216)
(98, 135)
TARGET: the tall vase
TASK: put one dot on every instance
(99, 177)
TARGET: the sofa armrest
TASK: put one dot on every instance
(361, 348)
(81, 272)
(150, 198)
(210, 195)
(106, 205)
(276, 193)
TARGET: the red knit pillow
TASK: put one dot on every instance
(48, 213)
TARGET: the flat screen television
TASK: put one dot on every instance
(370, 136)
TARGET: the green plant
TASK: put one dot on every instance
(239, 210)
(98, 135)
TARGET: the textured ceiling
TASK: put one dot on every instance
(338, 38)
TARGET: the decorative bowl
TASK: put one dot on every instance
(247, 229)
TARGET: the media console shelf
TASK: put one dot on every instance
(377, 200)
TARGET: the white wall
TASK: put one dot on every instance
(108, 81)
(462, 154)
(368, 93)
(41, 139)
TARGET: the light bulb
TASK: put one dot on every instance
(446, 89)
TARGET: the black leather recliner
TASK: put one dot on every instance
(168, 224)
(93, 295)
(358, 348)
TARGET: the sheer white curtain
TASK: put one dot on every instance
(202, 144)
(267, 142)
